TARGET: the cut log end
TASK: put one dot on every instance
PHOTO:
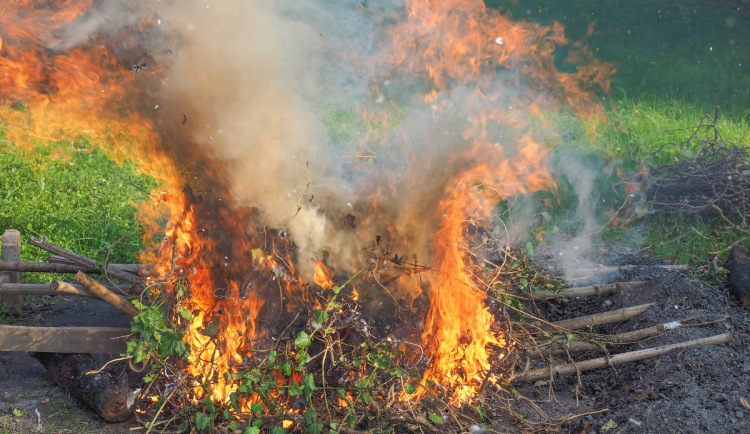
(109, 398)
(739, 273)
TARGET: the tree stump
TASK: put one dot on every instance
(739, 273)
(107, 397)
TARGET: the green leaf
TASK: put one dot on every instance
(310, 416)
(409, 388)
(609, 425)
(17, 412)
(251, 430)
(303, 340)
(257, 424)
(430, 383)
(295, 390)
(479, 411)
(278, 430)
(320, 316)
(398, 372)
(315, 428)
(183, 427)
(336, 289)
(202, 422)
(365, 398)
(571, 338)
(185, 313)
(212, 329)
(358, 362)
(308, 385)
(257, 408)
(233, 426)
(285, 368)
(435, 418)
(271, 357)
(540, 383)
(342, 393)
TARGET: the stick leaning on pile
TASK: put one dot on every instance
(122, 304)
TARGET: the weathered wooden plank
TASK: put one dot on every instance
(101, 340)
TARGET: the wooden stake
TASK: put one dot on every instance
(11, 252)
(598, 319)
(585, 291)
(603, 362)
(105, 294)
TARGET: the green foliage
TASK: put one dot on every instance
(83, 204)
(156, 334)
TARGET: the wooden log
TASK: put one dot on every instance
(633, 356)
(138, 269)
(11, 252)
(557, 349)
(123, 305)
(83, 260)
(109, 398)
(739, 273)
(98, 340)
(587, 321)
(585, 291)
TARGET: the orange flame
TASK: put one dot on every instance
(323, 276)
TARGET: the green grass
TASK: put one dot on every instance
(84, 204)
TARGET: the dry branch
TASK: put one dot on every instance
(123, 305)
(633, 356)
(43, 267)
(54, 288)
(711, 176)
(598, 319)
(83, 260)
(585, 291)
(139, 269)
(557, 348)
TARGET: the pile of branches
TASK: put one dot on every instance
(712, 180)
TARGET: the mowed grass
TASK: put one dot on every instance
(84, 203)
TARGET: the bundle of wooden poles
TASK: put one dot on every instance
(562, 346)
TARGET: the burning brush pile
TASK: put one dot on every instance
(301, 279)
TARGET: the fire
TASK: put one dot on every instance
(460, 47)
(225, 275)
(323, 276)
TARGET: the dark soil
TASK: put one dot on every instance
(695, 390)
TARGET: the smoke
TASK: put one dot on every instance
(250, 85)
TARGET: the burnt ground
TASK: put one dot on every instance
(25, 385)
(695, 390)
